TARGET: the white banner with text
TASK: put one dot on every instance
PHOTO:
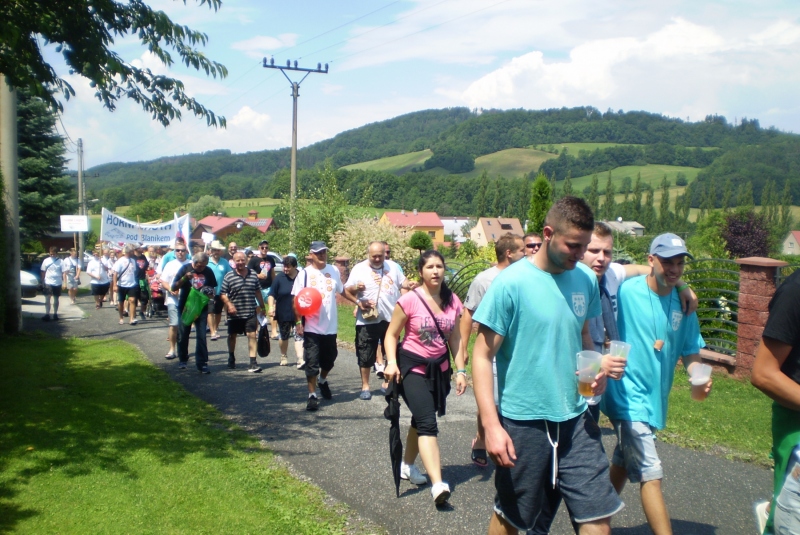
(117, 229)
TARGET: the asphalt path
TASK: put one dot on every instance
(343, 448)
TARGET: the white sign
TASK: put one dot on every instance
(207, 237)
(117, 229)
(74, 223)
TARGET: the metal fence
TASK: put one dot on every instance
(716, 283)
(459, 276)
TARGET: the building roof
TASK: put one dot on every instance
(626, 227)
(215, 223)
(413, 218)
(452, 226)
(494, 227)
(796, 234)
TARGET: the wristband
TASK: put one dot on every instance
(461, 371)
(682, 288)
(391, 362)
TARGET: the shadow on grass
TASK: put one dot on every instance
(79, 407)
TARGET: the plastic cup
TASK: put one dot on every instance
(700, 375)
(619, 349)
(588, 368)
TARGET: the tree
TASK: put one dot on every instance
(727, 194)
(420, 241)
(747, 234)
(540, 203)
(593, 198)
(84, 33)
(249, 237)
(567, 189)
(744, 199)
(636, 209)
(498, 205)
(610, 204)
(205, 206)
(664, 215)
(352, 241)
(44, 192)
(786, 219)
(523, 200)
(150, 210)
(481, 203)
(467, 251)
(647, 217)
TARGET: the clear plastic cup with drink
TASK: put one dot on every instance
(588, 368)
(699, 377)
(619, 349)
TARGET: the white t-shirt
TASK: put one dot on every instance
(329, 283)
(125, 268)
(615, 275)
(70, 265)
(391, 277)
(168, 276)
(97, 269)
(53, 274)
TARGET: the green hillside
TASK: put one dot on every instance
(651, 174)
(402, 163)
(509, 163)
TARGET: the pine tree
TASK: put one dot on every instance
(523, 200)
(540, 204)
(786, 210)
(636, 209)
(567, 189)
(610, 204)
(44, 192)
(553, 190)
(744, 199)
(481, 203)
(594, 196)
(648, 215)
(727, 194)
(664, 215)
(497, 201)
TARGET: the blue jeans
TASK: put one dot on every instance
(201, 348)
(787, 505)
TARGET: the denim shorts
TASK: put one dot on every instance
(636, 451)
(174, 319)
(582, 475)
(787, 510)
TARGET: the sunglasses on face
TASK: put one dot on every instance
(180, 250)
(533, 245)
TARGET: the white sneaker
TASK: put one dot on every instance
(440, 492)
(411, 473)
(762, 514)
(379, 369)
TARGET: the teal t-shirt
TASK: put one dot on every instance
(540, 316)
(219, 270)
(644, 317)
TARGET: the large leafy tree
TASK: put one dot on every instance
(44, 192)
(84, 32)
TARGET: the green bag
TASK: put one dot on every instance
(195, 304)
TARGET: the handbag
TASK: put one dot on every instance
(196, 302)
(372, 313)
(441, 333)
(263, 346)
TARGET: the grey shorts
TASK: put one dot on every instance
(173, 317)
(636, 451)
(582, 477)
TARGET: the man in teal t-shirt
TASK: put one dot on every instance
(652, 321)
(534, 319)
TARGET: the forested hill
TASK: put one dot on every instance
(456, 136)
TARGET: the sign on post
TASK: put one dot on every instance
(74, 223)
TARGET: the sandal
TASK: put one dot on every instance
(122, 322)
(479, 457)
(215, 337)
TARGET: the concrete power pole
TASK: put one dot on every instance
(8, 164)
(295, 94)
(81, 199)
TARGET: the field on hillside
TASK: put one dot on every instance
(575, 148)
(402, 163)
(651, 174)
(509, 163)
(239, 208)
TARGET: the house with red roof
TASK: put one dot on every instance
(222, 227)
(791, 245)
(425, 221)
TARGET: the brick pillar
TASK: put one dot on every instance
(756, 286)
(342, 263)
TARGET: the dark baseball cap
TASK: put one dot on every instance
(317, 246)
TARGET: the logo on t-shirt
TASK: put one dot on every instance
(676, 320)
(579, 304)
(265, 266)
(198, 280)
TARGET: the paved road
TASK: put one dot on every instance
(343, 447)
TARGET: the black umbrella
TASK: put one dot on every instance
(392, 413)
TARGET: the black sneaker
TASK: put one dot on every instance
(55, 317)
(46, 317)
(312, 404)
(325, 390)
(204, 370)
(181, 365)
(231, 363)
(254, 368)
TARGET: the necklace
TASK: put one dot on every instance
(659, 342)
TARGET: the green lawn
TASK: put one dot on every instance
(95, 439)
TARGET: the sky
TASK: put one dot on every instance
(685, 59)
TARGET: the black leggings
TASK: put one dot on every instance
(420, 402)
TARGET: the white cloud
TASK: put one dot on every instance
(259, 46)
(332, 89)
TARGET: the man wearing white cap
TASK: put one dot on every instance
(319, 329)
(650, 318)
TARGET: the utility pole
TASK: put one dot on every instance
(295, 94)
(81, 199)
(8, 163)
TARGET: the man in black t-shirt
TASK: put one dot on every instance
(776, 372)
(142, 264)
(199, 276)
(263, 266)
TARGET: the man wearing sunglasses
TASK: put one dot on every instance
(533, 242)
(170, 269)
(263, 265)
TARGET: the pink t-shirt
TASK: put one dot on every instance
(422, 337)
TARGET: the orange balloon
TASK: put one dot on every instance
(308, 301)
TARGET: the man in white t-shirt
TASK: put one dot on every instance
(124, 278)
(319, 330)
(98, 272)
(170, 269)
(375, 284)
(53, 280)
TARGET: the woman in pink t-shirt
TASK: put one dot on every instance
(430, 316)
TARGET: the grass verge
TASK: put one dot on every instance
(94, 439)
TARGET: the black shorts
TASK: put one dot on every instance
(55, 291)
(218, 305)
(237, 325)
(124, 293)
(368, 337)
(319, 352)
(144, 295)
(286, 329)
(100, 289)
